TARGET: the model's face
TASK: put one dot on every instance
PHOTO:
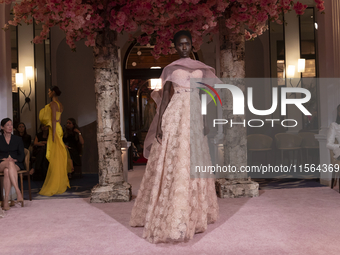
(69, 124)
(21, 128)
(50, 93)
(8, 127)
(183, 46)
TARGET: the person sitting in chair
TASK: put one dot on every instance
(40, 162)
(73, 140)
(12, 156)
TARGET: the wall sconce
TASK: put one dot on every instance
(19, 81)
(156, 84)
(291, 72)
(301, 65)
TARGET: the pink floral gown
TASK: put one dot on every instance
(170, 205)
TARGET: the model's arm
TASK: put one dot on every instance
(206, 129)
(54, 108)
(164, 104)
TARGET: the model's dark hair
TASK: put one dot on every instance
(3, 123)
(180, 33)
(337, 115)
(25, 132)
(56, 90)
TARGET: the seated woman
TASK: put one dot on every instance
(40, 162)
(334, 133)
(12, 156)
(73, 140)
(26, 138)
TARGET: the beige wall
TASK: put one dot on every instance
(26, 58)
(5, 66)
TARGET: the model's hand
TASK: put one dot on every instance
(159, 134)
(76, 130)
(206, 130)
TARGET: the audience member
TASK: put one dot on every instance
(26, 138)
(73, 140)
(12, 156)
(39, 160)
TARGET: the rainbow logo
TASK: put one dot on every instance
(209, 93)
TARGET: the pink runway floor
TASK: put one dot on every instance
(282, 221)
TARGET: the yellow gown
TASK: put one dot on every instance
(56, 181)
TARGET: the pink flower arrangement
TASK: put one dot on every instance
(299, 8)
(158, 19)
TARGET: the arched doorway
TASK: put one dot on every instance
(140, 67)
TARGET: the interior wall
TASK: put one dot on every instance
(41, 93)
(292, 50)
(73, 73)
(257, 65)
(26, 58)
(75, 78)
(6, 109)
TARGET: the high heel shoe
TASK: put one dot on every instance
(6, 208)
(20, 202)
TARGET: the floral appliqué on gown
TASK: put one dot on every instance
(170, 205)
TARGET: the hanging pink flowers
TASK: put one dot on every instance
(158, 20)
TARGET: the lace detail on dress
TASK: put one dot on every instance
(181, 78)
(170, 205)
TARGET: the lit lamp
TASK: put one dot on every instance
(291, 71)
(29, 73)
(301, 65)
(19, 81)
(156, 84)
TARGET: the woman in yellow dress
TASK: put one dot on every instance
(56, 181)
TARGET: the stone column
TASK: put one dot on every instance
(232, 65)
(111, 187)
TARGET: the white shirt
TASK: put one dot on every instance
(334, 133)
